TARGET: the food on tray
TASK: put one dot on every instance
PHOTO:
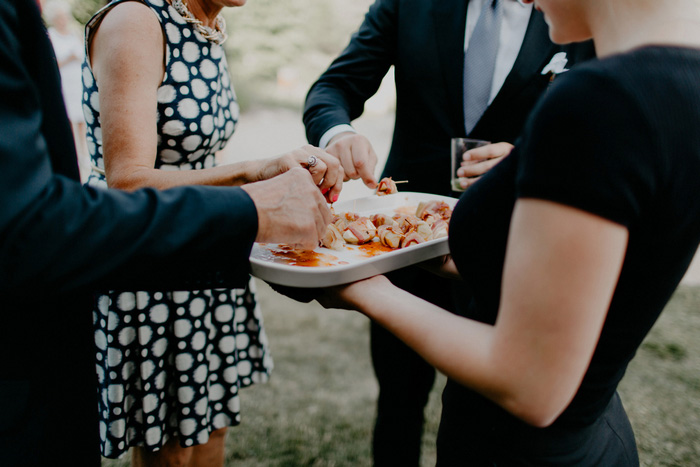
(398, 231)
(434, 208)
(390, 235)
(338, 262)
(412, 238)
(360, 231)
(439, 228)
(333, 238)
(382, 219)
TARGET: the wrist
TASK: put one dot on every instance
(245, 172)
(365, 295)
(340, 136)
(332, 132)
(255, 171)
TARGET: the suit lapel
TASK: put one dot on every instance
(449, 18)
(536, 50)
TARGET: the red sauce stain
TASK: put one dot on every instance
(373, 249)
(306, 258)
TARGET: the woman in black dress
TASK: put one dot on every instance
(572, 246)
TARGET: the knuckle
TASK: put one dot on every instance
(288, 160)
(330, 160)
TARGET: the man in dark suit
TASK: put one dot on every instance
(425, 41)
(59, 241)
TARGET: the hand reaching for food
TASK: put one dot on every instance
(356, 155)
(291, 209)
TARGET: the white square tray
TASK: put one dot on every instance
(353, 263)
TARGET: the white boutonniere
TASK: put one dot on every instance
(556, 66)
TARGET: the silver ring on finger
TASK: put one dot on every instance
(312, 161)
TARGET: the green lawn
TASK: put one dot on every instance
(318, 408)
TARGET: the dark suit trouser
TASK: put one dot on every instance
(405, 379)
(48, 399)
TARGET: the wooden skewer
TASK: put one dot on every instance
(401, 181)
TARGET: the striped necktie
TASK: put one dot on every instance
(480, 62)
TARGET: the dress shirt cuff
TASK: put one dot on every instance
(328, 135)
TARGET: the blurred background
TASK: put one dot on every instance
(318, 408)
(276, 50)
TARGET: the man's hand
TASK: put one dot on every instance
(478, 161)
(290, 209)
(356, 155)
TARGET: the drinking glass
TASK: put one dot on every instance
(459, 147)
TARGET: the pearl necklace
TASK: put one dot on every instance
(216, 34)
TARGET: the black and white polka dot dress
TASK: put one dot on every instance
(172, 363)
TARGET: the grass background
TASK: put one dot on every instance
(318, 408)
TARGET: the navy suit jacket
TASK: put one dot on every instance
(60, 241)
(424, 41)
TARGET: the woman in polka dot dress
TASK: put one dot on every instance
(159, 105)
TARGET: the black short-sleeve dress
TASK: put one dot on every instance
(617, 138)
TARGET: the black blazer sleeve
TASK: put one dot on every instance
(339, 95)
(57, 236)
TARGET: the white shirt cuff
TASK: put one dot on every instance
(328, 135)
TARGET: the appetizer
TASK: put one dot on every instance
(431, 221)
(386, 187)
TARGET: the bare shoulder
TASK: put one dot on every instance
(128, 39)
(131, 23)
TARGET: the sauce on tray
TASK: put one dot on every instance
(306, 258)
(373, 249)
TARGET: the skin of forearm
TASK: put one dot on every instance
(560, 273)
(456, 346)
(472, 353)
(235, 174)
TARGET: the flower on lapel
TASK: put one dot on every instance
(556, 66)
